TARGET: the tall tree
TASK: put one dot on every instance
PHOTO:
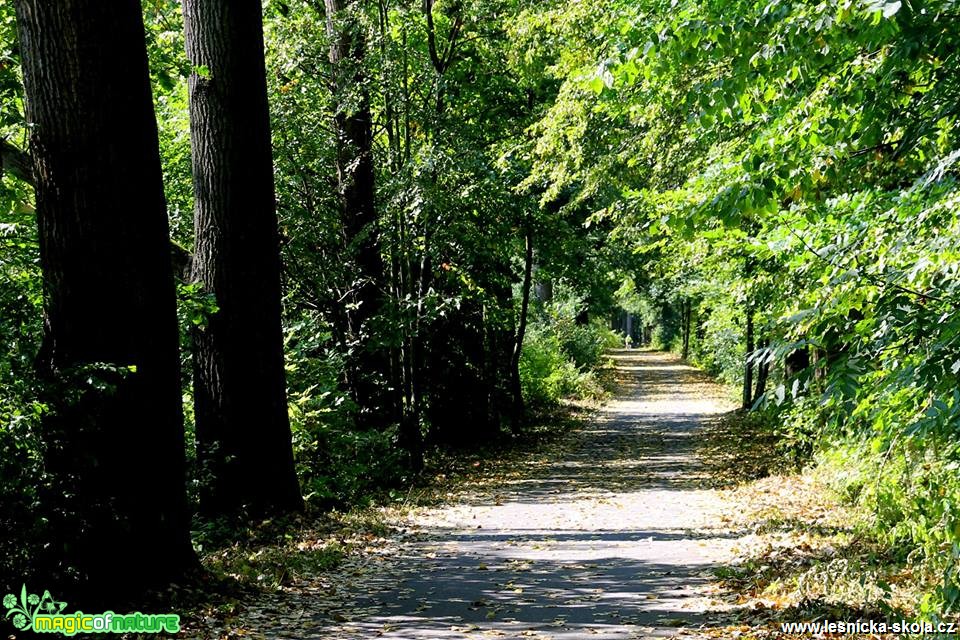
(110, 350)
(243, 430)
(353, 126)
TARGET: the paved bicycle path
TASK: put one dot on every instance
(613, 538)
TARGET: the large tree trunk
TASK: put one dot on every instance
(19, 164)
(243, 431)
(542, 286)
(369, 367)
(110, 351)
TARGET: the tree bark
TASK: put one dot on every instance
(114, 433)
(243, 430)
(685, 318)
(369, 368)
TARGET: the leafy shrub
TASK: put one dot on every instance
(905, 481)
(799, 430)
(721, 351)
(560, 359)
(21, 477)
(546, 374)
(584, 344)
(337, 464)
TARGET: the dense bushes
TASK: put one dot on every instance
(337, 464)
(561, 357)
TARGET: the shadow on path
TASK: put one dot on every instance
(614, 537)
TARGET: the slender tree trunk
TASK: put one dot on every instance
(503, 335)
(353, 123)
(686, 328)
(763, 371)
(243, 431)
(110, 349)
(519, 410)
(748, 366)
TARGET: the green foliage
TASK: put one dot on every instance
(584, 344)
(21, 469)
(337, 464)
(721, 351)
(546, 373)
(794, 161)
(560, 356)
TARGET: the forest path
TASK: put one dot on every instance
(612, 536)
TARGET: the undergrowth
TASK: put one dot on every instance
(835, 527)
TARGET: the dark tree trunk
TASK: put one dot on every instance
(543, 291)
(456, 360)
(243, 431)
(519, 410)
(502, 331)
(685, 319)
(763, 372)
(353, 125)
(748, 366)
(110, 350)
(796, 362)
(19, 164)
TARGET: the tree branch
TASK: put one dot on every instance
(432, 36)
(16, 162)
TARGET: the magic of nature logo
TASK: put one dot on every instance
(44, 614)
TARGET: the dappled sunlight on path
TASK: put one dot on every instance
(612, 536)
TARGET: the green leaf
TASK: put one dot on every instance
(596, 84)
